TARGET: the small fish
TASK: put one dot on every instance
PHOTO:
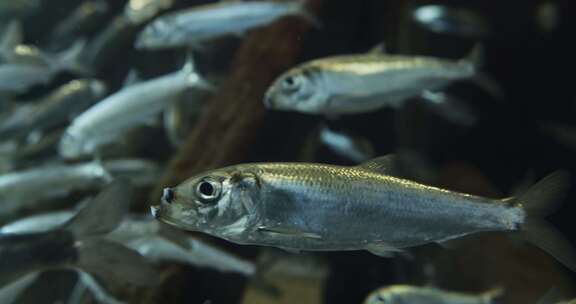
(140, 11)
(449, 106)
(22, 190)
(319, 207)
(83, 20)
(351, 84)
(132, 106)
(157, 243)
(401, 294)
(194, 26)
(53, 110)
(455, 21)
(77, 245)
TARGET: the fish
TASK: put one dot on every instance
(141, 11)
(110, 118)
(156, 242)
(360, 83)
(77, 245)
(456, 21)
(84, 19)
(400, 294)
(181, 115)
(322, 207)
(192, 27)
(53, 110)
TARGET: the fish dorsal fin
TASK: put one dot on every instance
(379, 48)
(104, 213)
(384, 165)
(132, 78)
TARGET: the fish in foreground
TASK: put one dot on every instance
(401, 294)
(132, 106)
(351, 84)
(55, 109)
(77, 245)
(194, 26)
(320, 207)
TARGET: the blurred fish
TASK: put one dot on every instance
(156, 242)
(132, 106)
(140, 11)
(354, 148)
(53, 110)
(139, 172)
(10, 292)
(349, 84)
(194, 26)
(307, 206)
(443, 19)
(26, 189)
(76, 245)
(449, 107)
(401, 294)
(84, 19)
(27, 67)
(18, 8)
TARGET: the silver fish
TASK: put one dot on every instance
(157, 243)
(196, 25)
(140, 11)
(451, 20)
(132, 106)
(354, 148)
(349, 84)
(77, 245)
(307, 206)
(400, 294)
(63, 103)
(26, 189)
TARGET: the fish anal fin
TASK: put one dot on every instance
(288, 231)
(383, 250)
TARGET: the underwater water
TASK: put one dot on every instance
(180, 151)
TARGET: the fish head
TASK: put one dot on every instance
(299, 89)
(218, 202)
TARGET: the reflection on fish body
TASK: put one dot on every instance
(349, 84)
(402, 294)
(192, 27)
(132, 106)
(67, 101)
(306, 206)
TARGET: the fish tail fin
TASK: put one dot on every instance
(301, 10)
(112, 261)
(70, 59)
(189, 68)
(539, 201)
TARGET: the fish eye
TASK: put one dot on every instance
(292, 82)
(208, 190)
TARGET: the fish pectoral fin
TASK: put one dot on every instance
(384, 250)
(288, 232)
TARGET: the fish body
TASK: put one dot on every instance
(192, 27)
(350, 84)
(402, 294)
(109, 119)
(307, 206)
(63, 103)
